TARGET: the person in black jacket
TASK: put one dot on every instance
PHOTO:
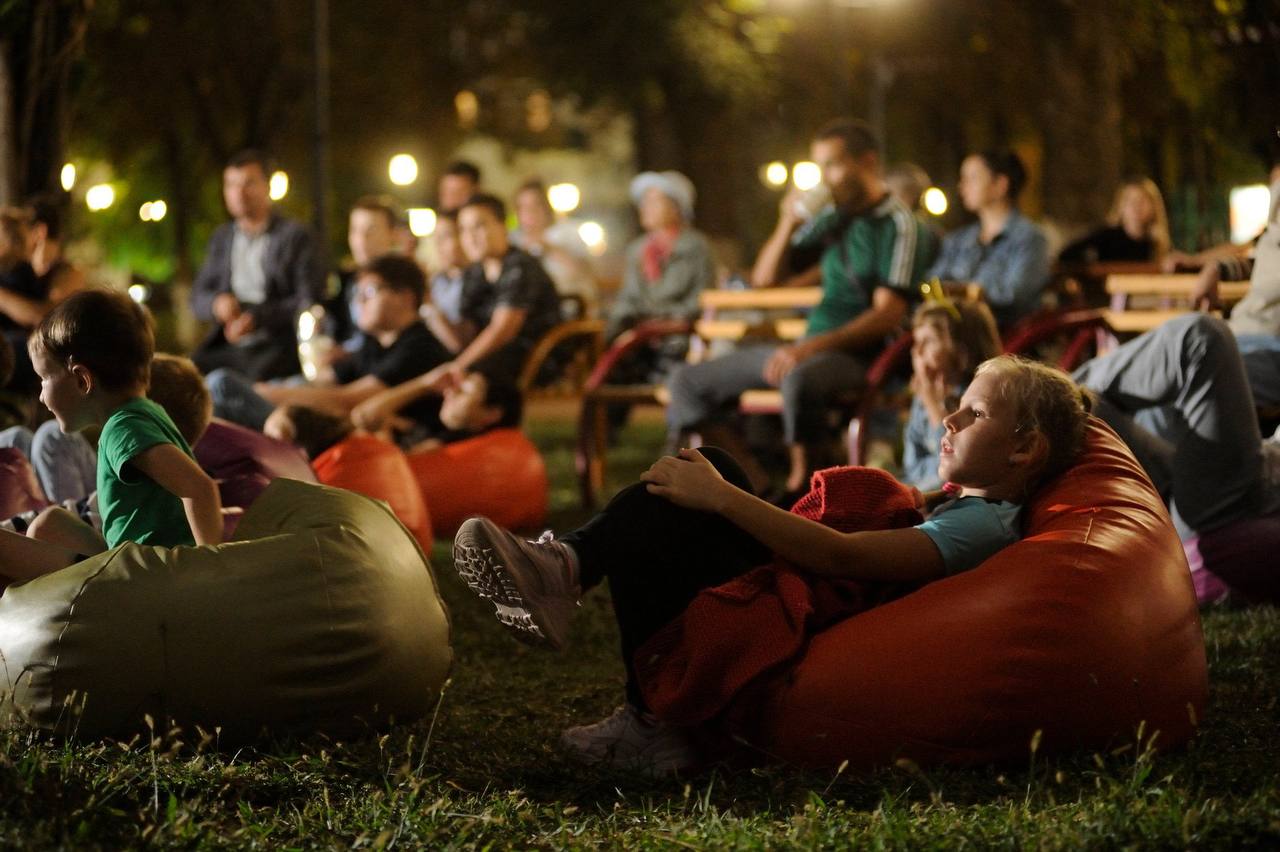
(261, 271)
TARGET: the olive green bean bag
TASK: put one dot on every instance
(321, 616)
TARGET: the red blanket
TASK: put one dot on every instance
(691, 670)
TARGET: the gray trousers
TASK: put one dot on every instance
(701, 392)
(65, 463)
(1206, 457)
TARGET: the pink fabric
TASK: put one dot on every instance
(656, 252)
(1243, 556)
(244, 461)
(1208, 585)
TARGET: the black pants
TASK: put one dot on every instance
(275, 357)
(658, 556)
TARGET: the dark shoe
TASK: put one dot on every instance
(531, 584)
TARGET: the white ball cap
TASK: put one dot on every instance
(672, 184)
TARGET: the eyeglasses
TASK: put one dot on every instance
(368, 291)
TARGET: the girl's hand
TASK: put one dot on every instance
(931, 387)
(687, 480)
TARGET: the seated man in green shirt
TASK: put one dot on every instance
(873, 253)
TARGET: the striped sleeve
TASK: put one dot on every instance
(901, 272)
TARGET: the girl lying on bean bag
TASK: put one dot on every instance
(801, 660)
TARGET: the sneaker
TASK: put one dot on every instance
(530, 583)
(627, 740)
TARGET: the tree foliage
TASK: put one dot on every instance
(1089, 90)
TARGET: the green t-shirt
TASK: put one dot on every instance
(133, 506)
(887, 246)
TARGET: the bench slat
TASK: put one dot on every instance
(764, 299)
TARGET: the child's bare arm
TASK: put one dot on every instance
(180, 476)
(893, 555)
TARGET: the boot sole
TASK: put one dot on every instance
(480, 563)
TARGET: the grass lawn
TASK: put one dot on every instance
(485, 772)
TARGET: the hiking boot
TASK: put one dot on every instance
(627, 739)
(531, 584)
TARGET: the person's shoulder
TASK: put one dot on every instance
(415, 333)
(135, 414)
(146, 408)
(224, 233)
(691, 239)
(1001, 513)
(1022, 227)
(963, 235)
(288, 228)
(527, 267)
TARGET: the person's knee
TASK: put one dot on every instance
(52, 524)
(218, 381)
(727, 466)
(1209, 330)
(683, 407)
(18, 437)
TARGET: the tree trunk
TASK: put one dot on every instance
(1082, 118)
(8, 135)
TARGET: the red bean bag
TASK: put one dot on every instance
(499, 474)
(1084, 630)
(20, 490)
(376, 468)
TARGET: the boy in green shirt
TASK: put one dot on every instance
(92, 354)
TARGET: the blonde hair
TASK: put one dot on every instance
(1047, 401)
(1158, 230)
(970, 325)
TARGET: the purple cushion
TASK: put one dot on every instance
(1208, 585)
(244, 461)
(1243, 555)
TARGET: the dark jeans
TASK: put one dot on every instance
(658, 556)
(265, 357)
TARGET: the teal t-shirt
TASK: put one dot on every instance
(133, 506)
(968, 530)
(887, 246)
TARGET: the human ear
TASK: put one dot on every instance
(1033, 449)
(83, 378)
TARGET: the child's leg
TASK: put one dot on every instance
(23, 558)
(56, 525)
(17, 437)
(658, 556)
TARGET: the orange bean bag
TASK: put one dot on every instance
(499, 474)
(376, 468)
(1084, 630)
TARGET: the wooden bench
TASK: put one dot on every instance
(772, 314)
(1140, 302)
